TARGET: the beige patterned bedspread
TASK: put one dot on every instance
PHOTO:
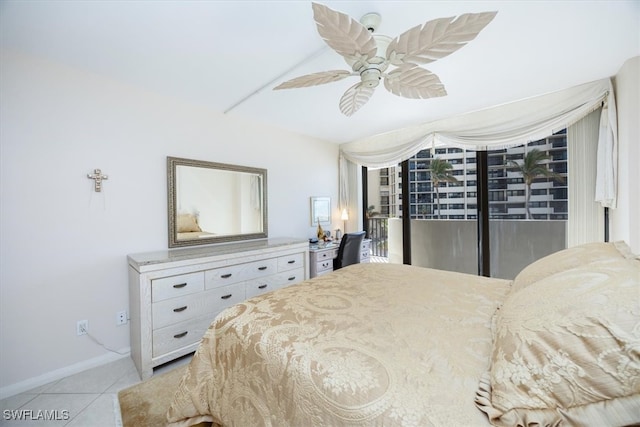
(368, 345)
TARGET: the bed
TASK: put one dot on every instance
(188, 227)
(397, 345)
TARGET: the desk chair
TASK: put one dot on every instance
(349, 250)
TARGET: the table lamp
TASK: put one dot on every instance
(345, 218)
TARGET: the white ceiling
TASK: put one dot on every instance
(216, 53)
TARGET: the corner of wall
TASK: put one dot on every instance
(627, 88)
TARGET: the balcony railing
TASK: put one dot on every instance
(378, 233)
(452, 244)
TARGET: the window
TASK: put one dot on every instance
(507, 193)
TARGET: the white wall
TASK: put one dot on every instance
(625, 218)
(63, 247)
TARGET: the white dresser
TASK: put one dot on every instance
(321, 256)
(174, 295)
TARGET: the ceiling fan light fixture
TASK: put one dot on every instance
(370, 77)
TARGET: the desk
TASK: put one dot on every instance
(321, 256)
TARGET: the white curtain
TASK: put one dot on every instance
(506, 125)
(348, 193)
(586, 216)
(607, 167)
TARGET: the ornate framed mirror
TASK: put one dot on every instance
(215, 202)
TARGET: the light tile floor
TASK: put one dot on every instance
(90, 397)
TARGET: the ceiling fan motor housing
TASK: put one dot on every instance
(382, 43)
(371, 73)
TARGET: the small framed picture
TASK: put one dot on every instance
(320, 210)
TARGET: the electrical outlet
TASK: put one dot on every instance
(121, 318)
(82, 327)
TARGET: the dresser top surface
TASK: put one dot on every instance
(185, 254)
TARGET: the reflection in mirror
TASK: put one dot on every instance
(214, 202)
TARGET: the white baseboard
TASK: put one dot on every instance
(58, 374)
(117, 413)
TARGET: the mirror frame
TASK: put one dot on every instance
(172, 164)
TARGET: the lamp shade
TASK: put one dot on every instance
(345, 215)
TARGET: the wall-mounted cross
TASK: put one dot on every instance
(97, 178)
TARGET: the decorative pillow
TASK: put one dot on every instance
(567, 350)
(186, 223)
(569, 258)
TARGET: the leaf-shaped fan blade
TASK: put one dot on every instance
(436, 39)
(354, 98)
(411, 81)
(314, 79)
(343, 34)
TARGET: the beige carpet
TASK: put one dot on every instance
(146, 404)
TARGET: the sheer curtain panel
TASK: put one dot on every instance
(586, 216)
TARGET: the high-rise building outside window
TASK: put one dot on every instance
(507, 186)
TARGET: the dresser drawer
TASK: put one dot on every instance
(175, 286)
(290, 262)
(290, 277)
(323, 266)
(364, 251)
(179, 335)
(328, 254)
(258, 287)
(240, 272)
(266, 284)
(223, 297)
(174, 310)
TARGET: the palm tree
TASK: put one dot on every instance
(441, 171)
(531, 168)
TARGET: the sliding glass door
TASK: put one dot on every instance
(527, 192)
(528, 203)
(440, 206)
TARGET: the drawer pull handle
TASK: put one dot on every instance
(180, 285)
(262, 286)
(226, 276)
(181, 334)
(292, 278)
(262, 268)
(291, 262)
(179, 309)
(226, 296)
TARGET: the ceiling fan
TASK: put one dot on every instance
(373, 57)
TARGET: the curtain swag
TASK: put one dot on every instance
(506, 125)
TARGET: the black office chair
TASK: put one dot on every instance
(349, 250)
